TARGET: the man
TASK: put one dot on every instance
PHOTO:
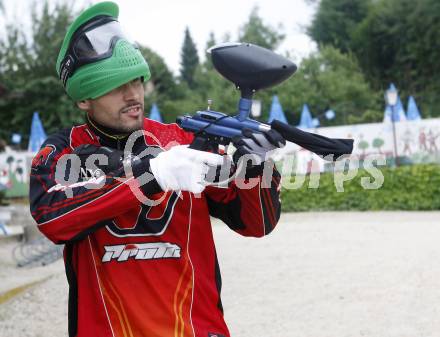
(136, 268)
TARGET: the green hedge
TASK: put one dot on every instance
(411, 188)
(2, 198)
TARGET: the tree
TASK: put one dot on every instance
(395, 43)
(27, 70)
(210, 43)
(166, 92)
(335, 21)
(393, 40)
(328, 79)
(210, 85)
(363, 145)
(190, 59)
(161, 76)
(49, 27)
(256, 32)
(378, 143)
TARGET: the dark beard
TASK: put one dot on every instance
(129, 130)
(116, 132)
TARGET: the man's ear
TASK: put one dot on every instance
(84, 105)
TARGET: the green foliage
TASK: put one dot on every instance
(378, 143)
(205, 83)
(178, 99)
(213, 86)
(210, 85)
(382, 36)
(368, 116)
(161, 76)
(394, 41)
(397, 43)
(162, 88)
(190, 59)
(335, 21)
(210, 43)
(329, 79)
(408, 188)
(257, 32)
(2, 198)
(27, 70)
(363, 145)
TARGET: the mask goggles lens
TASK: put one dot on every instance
(92, 43)
(98, 41)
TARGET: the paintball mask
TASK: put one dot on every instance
(99, 56)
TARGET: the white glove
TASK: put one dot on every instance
(183, 169)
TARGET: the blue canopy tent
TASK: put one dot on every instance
(38, 136)
(306, 120)
(400, 111)
(276, 111)
(412, 113)
(155, 113)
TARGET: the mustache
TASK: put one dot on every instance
(131, 105)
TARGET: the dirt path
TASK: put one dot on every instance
(335, 275)
(317, 275)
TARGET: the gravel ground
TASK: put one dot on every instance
(317, 275)
(40, 311)
(12, 277)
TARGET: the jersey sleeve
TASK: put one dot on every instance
(70, 211)
(251, 211)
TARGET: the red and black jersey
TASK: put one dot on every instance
(135, 269)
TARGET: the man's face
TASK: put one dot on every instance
(121, 109)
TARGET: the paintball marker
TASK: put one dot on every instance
(252, 68)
